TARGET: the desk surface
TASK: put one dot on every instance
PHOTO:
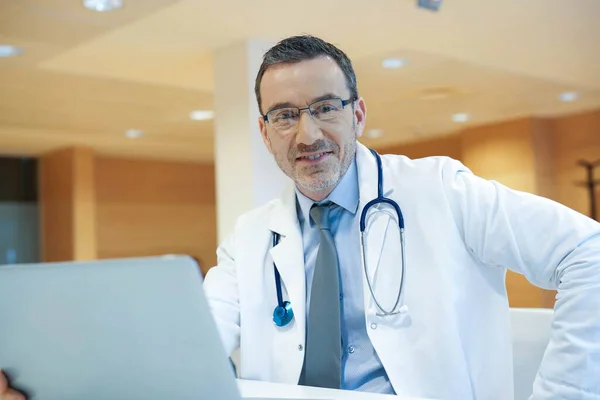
(256, 389)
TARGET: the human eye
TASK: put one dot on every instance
(326, 107)
(285, 115)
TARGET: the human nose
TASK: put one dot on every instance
(308, 130)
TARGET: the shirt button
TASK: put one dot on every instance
(350, 349)
(341, 296)
(373, 325)
(300, 347)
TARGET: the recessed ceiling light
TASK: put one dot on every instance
(374, 133)
(134, 133)
(103, 5)
(7, 50)
(460, 117)
(202, 115)
(393, 63)
(568, 97)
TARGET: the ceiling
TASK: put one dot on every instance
(86, 77)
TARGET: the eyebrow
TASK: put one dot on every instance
(286, 104)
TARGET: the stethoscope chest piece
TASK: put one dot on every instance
(283, 315)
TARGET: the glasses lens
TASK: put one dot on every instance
(283, 118)
(327, 110)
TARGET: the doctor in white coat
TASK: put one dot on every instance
(449, 334)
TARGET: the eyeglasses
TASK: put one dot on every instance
(285, 119)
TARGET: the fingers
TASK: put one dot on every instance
(3, 383)
(11, 395)
(5, 392)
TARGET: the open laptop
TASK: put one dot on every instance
(114, 329)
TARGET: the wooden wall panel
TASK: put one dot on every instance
(67, 205)
(505, 152)
(445, 146)
(84, 195)
(56, 205)
(576, 137)
(502, 152)
(151, 208)
(544, 152)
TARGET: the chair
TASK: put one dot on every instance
(530, 337)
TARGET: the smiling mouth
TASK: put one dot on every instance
(314, 157)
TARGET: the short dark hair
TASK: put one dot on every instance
(302, 48)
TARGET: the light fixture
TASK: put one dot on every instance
(374, 133)
(134, 133)
(103, 5)
(7, 50)
(568, 97)
(460, 117)
(202, 115)
(393, 63)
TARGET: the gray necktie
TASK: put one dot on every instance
(323, 342)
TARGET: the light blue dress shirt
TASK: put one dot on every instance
(361, 368)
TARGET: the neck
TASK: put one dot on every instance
(316, 196)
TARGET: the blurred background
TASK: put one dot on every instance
(125, 125)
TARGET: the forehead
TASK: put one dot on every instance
(300, 83)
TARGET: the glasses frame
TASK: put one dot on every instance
(308, 108)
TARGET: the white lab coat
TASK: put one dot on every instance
(462, 233)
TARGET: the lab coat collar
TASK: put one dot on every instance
(284, 219)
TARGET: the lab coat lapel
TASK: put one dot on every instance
(288, 255)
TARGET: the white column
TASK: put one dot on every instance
(245, 172)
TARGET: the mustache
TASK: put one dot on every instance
(320, 146)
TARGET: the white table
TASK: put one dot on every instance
(256, 389)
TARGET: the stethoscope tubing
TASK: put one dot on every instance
(281, 305)
(277, 275)
(363, 218)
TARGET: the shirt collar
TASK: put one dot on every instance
(345, 195)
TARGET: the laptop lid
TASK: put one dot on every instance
(113, 329)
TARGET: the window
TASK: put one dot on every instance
(19, 214)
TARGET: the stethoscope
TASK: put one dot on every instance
(283, 313)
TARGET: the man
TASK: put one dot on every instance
(426, 319)
(448, 337)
